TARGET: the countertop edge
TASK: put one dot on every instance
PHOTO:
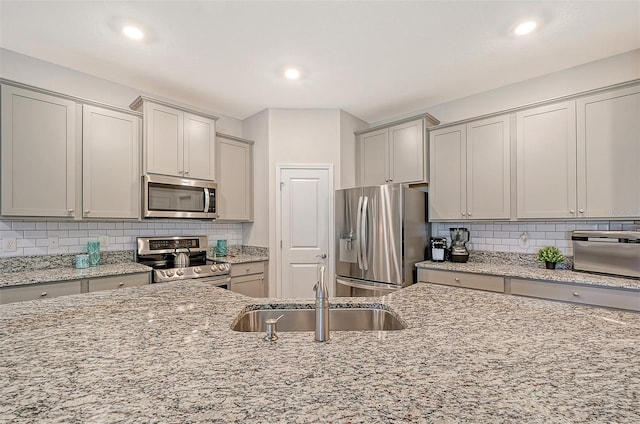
(532, 273)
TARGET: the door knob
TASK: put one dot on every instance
(322, 256)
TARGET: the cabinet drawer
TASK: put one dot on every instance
(462, 279)
(118, 281)
(251, 285)
(599, 296)
(39, 291)
(247, 268)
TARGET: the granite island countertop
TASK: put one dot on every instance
(69, 273)
(166, 353)
(535, 273)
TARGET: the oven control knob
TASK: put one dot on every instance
(169, 273)
(180, 272)
(197, 270)
(213, 268)
(221, 267)
(227, 267)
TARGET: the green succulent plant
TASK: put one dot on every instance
(550, 254)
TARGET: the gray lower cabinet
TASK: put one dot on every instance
(119, 281)
(248, 279)
(599, 296)
(462, 279)
(53, 289)
(40, 291)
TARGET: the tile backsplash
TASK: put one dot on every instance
(496, 236)
(49, 237)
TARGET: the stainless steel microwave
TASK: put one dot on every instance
(175, 197)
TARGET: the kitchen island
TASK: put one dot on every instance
(166, 353)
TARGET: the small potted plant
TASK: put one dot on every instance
(550, 255)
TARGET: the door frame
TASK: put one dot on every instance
(330, 249)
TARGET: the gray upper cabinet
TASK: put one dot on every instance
(65, 159)
(546, 162)
(40, 146)
(234, 169)
(177, 141)
(470, 170)
(395, 154)
(111, 164)
(608, 148)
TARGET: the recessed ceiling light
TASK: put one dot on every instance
(525, 28)
(133, 32)
(292, 74)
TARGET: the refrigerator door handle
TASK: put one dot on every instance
(358, 234)
(364, 235)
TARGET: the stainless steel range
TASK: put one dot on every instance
(181, 258)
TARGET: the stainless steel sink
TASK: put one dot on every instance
(340, 319)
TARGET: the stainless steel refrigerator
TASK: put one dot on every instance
(381, 232)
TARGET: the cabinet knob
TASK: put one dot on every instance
(70, 210)
(462, 213)
(468, 213)
(581, 210)
(248, 269)
(457, 279)
(391, 179)
(121, 284)
(186, 172)
(87, 211)
(575, 294)
(572, 211)
(43, 294)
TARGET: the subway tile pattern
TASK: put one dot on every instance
(35, 237)
(527, 237)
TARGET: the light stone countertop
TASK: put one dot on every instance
(535, 273)
(68, 273)
(164, 353)
(239, 258)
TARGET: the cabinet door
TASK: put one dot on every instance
(447, 170)
(407, 153)
(489, 169)
(110, 166)
(199, 147)
(39, 142)
(546, 161)
(164, 140)
(374, 163)
(251, 285)
(608, 153)
(234, 196)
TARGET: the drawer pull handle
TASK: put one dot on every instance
(43, 294)
(121, 284)
(576, 294)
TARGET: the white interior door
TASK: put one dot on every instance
(306, 211)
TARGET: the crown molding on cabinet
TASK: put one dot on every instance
(574, 96)
(233, 137)
(428, 117)
(137, 103)
(81, 100)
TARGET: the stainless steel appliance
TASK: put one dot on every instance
(381, 232)
(181, 258)
(459, 239)
(175, 197)
(438, 249)
(607, 252)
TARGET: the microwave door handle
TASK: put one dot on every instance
(358, 234)
(364, 235)
(207, 198)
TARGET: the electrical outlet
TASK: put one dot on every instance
(104, 241)
(9, 244)
(54, 242)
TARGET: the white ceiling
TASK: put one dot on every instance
(375, 60)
